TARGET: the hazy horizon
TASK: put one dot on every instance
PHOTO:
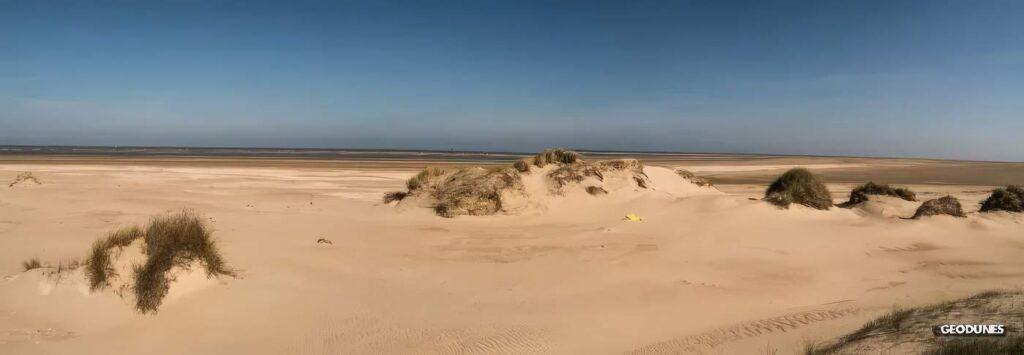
(874, 78)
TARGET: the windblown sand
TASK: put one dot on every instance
(705, 271)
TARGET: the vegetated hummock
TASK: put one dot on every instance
(23, 177)
(481, 191)
(860, 193)
(31, 264)
(1010, 199)
(909, 331)
(169, 241)
(947, 205)
(689, 176)
(474, 191)
(800, 186)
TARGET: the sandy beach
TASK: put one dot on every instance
(707, 270)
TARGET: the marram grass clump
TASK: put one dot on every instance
(689, 176)
(947, 205)
(98, 267)
(522, 165)
(474, 191)
(1009, 199)
(423, 177)
(556, 156)
(394, 196)
(799, 186)
(860, 193)
(168, 241)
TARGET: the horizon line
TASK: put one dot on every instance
(4, 150)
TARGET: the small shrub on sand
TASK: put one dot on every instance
(1010, 199)
(689, 176)
(418, 181)
(30, 264)
(799, 186)
(556, 156)
(947, 205)
(395, 196)
(522, 165)
(860, 193)
(98, 266)
(474, 191)
(173, 240)
(23, 177)
(596, 190)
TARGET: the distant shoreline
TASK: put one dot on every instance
(375, 154)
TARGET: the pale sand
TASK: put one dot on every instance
(712, 271)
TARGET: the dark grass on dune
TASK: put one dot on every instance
(800, 186)
(556, 156)
(691, 177)
(596, 190)
(474, 191)
(170, 241)
(947, 205)
(98, 267)
(394, 196)
(30, 264)
(1010, 199)
(860, 193)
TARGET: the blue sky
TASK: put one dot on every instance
(878, 78)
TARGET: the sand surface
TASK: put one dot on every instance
(709, 272)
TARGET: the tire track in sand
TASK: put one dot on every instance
(713, 338)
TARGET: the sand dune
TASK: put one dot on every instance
(707, 271)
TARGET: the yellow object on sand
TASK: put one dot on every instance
(632, 217)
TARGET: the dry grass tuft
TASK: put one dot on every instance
(689, 176)
(631, 165)
(23, 177)
(1010, 199)
(30, 264)
(425, 176)
(98, 266)
(173, 240)
(596, 190)
(395, 196)
(65, 265)
(860, 193)
(947, 205)
(574, 173)
(522, 165)
(474, 191)
(556, 156)
(799, 186)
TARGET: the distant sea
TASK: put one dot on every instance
(320, 153)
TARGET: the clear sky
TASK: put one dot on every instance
(879, 78)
